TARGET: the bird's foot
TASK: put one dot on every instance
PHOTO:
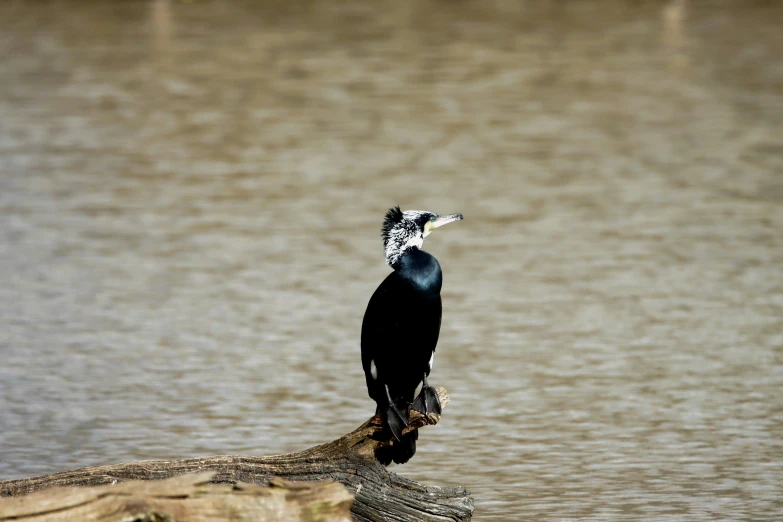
(396, 420)
(427, 402)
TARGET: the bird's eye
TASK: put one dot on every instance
(432, 218)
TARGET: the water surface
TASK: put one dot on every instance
(191, 195)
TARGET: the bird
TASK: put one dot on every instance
(401, 326)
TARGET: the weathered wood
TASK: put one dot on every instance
(187, 498)
(349, 460)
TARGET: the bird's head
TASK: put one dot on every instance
(402, 231)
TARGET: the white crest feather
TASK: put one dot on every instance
(401, 232)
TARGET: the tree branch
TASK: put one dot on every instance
(349, 460)
(186, 498)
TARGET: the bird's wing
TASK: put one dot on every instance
(400, 328)
(381, 326)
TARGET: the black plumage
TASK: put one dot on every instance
(401, 327)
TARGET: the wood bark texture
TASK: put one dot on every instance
(350, 460)
(187, 498)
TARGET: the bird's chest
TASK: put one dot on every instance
(417, 324)
(417, 327)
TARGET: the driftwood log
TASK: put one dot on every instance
(188, 498)
(350, 460)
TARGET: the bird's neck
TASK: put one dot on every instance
(421, 269)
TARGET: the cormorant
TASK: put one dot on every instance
(401, 327)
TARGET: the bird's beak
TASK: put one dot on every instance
(440, 221)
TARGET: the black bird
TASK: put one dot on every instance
(401, 327)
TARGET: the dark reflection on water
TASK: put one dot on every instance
(191, 195)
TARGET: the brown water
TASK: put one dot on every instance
(191, 194)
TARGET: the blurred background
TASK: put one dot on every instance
(191, 195)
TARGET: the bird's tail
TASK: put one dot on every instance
(400, 451)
